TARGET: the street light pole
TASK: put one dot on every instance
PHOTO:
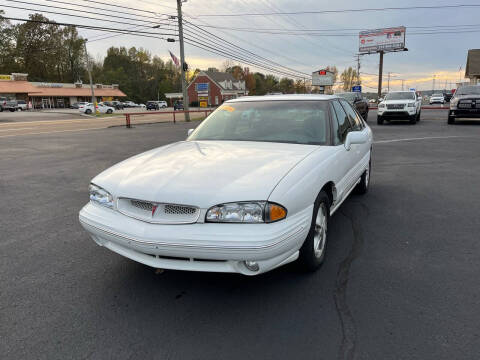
(90, 77)
(380, 75)
(182, 60)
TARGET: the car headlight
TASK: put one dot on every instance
(454, 103)
(100, 196)
(381, 105)
(246, 212)
(411, 104)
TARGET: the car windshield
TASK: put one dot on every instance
(407, 95)
(348, 96)
(299, 122)
(437, 95)
(468, 90)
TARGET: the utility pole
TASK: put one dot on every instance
(89, 69)
(380, 75)
(358, 69)
(433, 85)
(403, 83)
(388, 86)
(182, 60)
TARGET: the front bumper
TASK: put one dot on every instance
(465, 113)
(397, 114)
(201, 246)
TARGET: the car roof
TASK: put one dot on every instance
(297, 97)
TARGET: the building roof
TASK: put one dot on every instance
(473, 63)
(65, 92)
(220, 77)
(16, 87)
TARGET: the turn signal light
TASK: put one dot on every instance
(275, 212)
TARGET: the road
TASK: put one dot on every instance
(35, 123)
(400, 279)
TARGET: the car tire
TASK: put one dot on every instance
(451, 120)
(362, 186)
(12, 110)
(419, 115)
(312, 252)
(1, 109)
(109, 111)
(88, 111)
(379, 120)
(413, 119)
(365, 116)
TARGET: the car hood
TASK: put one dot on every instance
(468, 96)
(204, 173)
(398, 101)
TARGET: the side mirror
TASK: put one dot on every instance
(355, 137)
(190, 131)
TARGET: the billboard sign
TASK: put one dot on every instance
(322, 78)
(357, 88)
(389, 39)
(5, 77)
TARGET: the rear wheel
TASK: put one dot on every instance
(379, 120)
(312, 252)
(88, 111)
(109, 111)
(12, 110)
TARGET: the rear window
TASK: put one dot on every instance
(468, 90)
(21, 102)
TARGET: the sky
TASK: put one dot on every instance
(439, 55)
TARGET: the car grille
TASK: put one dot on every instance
(395, 106)
(159, 213)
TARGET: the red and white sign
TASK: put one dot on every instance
(322, 78)
(389, 39)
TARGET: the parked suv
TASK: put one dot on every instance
(400, 105)
(437, 99)
(357, 101)
(22, 105)
(465, 103)
(178, 105)
(153, 105)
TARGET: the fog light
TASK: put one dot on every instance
(251, 265)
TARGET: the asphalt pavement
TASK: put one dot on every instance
(400, 279)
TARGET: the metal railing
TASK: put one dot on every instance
(174, 113)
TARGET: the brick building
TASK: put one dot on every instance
(211, 88)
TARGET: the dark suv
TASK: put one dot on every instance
(178, 105)
(465, 103)
(357, 101)
(153, 105)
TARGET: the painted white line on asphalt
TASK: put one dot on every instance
(420, 138)
(17, 129)
(52, 132)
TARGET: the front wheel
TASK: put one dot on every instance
(88, 111)
(312, 252)
(418, 116)
(413, 119)
(109, 111)
(451, 120)
(379, 120)
(362, 187)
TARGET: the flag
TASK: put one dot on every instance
(175, 59)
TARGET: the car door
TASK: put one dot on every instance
(361, 151)
(345, 160)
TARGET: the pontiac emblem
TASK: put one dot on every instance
(154, 208)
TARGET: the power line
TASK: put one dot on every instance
(83, 11)
(187, 23)
(124, 7)
(99, 28)
(429, 7)
(232, 53)
(98, 8)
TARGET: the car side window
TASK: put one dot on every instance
(352, 116)
(344, 126)
(336, 138)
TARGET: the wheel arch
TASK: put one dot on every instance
(331, 191)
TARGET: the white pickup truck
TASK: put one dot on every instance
(400, 105)
(6, 104)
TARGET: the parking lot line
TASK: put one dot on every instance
(52, 132)
(421, 138)
(26, 128)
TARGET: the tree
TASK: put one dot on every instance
(349, 78)
(286, 86)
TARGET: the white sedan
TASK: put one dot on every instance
(87, 108)
(251, 189)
